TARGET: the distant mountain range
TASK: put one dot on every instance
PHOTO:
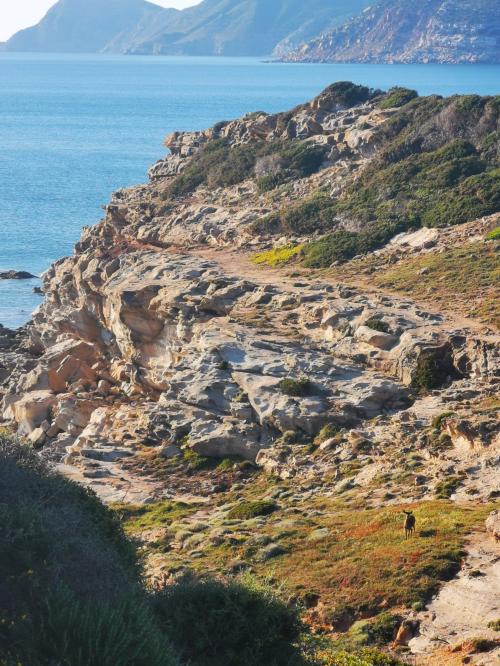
(214, 27)
(442, 31)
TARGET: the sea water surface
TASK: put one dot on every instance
(75, 128)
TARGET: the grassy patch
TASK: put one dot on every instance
(494, 235)
(277, 256)
(363, 565)
(463, 279)
(138, 517)
(248, 510)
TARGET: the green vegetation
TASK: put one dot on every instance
(292, 161)
(248, 624)
(248, 510)
(494, 624)
(72, 595)
(397, 97)
(482, 644)
(277, 256)
(136, 518)
(448, 486)
(431, 373)
(346, 93)
(315, 214)
(465, 279)
(295, 387)
(327, 432)
(494, 235)
(377, 325)
(218, 164)
(415, 182)
(68, 576)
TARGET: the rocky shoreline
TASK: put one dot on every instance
(161, 338)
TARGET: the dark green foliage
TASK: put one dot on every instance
(419, 179)
(317, 214)
(483, 644)
(431, 373)
(295, 387)
(346, 93)
(397, 97)
(377, 325)
(446, 487)
(236, 624)
(68, 576)
(247, 510)
(295, 160)
(218, 164)
(65, 630)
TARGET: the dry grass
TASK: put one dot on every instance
(463, 280)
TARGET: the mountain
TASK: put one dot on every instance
(442, 31)
(214, 27)
(82, 26)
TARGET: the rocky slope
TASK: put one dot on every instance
(212, 27)
(442, 31)
(170, 362)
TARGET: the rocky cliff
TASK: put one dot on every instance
(439, 31)
(189, 327)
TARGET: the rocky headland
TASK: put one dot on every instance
(398, 31)
(281, 341)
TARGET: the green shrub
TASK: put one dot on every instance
(237, 623)
(448, 486)
(248, 510)
(377, 325)
(483, 644)
(494, 624)
(431, 373)
(295, 387)
(348, 94)
(69, 580)
(494, 235)
(397, 97)
(327, 432)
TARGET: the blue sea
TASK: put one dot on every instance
(75, 128)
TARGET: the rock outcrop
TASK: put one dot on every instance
(156, 335)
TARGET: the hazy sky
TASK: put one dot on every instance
(17, 14)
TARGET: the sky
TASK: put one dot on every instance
(17, 14)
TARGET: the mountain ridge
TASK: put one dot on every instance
(392, 31)
(214, 27)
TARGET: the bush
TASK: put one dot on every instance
(446, 488)
(68, 576)
(348, 94)
(494, 235)
(295, 387)
(377, 325)
(431, 373)
(316, 214)
(397, 97)
(327, 432)
(238, 623)
(248, 510)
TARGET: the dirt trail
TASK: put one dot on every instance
(464, 606)
(238, 263)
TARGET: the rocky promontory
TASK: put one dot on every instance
(232, 309)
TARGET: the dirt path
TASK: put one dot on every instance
(238, 263)
(464, 606)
